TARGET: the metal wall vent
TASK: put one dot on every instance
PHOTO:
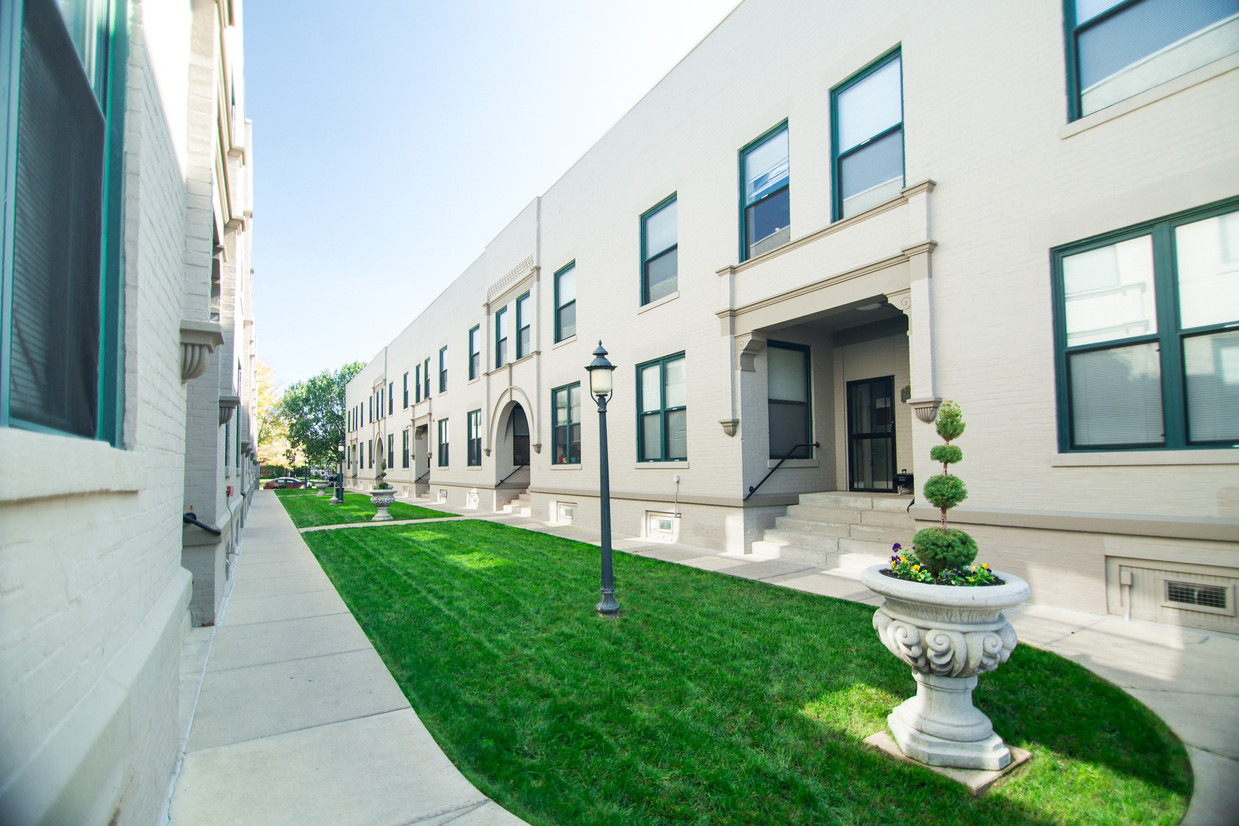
(1213, 598)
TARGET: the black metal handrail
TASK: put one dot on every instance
(510, 475)
(423, 476)
(753, 488)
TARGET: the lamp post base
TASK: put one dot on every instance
(607, 605)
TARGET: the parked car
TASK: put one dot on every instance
(283, 482)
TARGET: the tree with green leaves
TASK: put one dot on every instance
(313, 411)
(941, 548)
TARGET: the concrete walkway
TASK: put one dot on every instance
(298, 720)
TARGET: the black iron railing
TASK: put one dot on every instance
(753, 488)
(510, 475)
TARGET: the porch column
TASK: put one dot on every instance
(916, 303)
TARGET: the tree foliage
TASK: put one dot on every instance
(313, 412)
(272, 442)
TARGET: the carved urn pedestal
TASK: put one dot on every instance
(382, 499)
(948, 635)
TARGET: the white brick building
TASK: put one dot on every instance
(830, 216)
(112, 116)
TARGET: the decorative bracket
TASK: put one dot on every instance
(227, 404)
(198, 340)
(750, 344)
(925, 409)
(729, 426)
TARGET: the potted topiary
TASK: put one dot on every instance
(382, 495)
(942, 615)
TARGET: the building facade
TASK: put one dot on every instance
(824, 221)
(125, 203)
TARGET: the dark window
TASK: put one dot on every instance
(475, 353)
(766, 194)
(523, 326)
(501, 337)
(662, 433)
(443, 369)
(566, 424)
(406, 389)
(391, 398)
(565, 302)
(1145, 326)
(868, 137)
(787, 398)
(426, 376)
(62, 361)
(417, 382)
(404, 451)
(475, 438)
(659, 251)
(443, 443)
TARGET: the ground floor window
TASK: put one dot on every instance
(662, 434)
(474, 427)
(788, 383)
(1147, 350)
(404, 453)
(566, 424)
(443, 443)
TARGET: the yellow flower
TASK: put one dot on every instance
(916, 567)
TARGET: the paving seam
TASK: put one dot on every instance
(273, 735)
(459, 811)
(294, 660)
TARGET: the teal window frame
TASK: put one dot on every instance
(475, 351)
(474, 436)
(391, 449)
(561, 306)
(406, 389)
(501, 337)
(88, 371)
(566, 428)
(404, 452)
(1168, 339)
(1122, 14)
(443, 369)
(426, 377)
(524, 327)
(662, 411)
(391, 398)
(767, 198)
(651, 257)
(840, 155)
(442, 458)
(772, 402)
(417, 383)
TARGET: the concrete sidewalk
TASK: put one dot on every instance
(299, 722)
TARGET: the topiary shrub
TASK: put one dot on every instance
(942, 548)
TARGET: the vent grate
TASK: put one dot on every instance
(1202, 596)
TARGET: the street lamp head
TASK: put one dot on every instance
(340, 448)
(600, 379)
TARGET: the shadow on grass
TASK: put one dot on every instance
(710, 699)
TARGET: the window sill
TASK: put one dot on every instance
(1148, 458)
(666, 299)
(569, 340)
(97, 466)
(567, 466)
(674, 464)
(1148, 96)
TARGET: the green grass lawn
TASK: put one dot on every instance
(309, 510)
(710, 699)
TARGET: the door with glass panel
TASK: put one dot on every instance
(871, 434)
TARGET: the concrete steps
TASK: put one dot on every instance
(840, 531)
(519, 505)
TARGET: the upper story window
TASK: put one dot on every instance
(566, 425)
(659, 251)
(524, 322)
(662, 434)
(417, 382)
(62, 360)
(391, 398)
(765, 194)
(426, 377)
(406, 388)
(443, 369)
(1119, 48)
(475, 352)
(474, 437)
(1145, 326)
(868, 137)
(565, 302)
(501, 337)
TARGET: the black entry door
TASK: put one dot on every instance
(520, 438)
(871, 434)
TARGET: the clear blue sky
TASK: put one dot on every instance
(394, 138)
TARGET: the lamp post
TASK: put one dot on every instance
(600, 387)
(339, 497)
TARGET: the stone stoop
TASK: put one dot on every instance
(519, 504)
(845, 532)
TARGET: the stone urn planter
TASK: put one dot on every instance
(382, 499)
(948, 635)
(324, 488)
